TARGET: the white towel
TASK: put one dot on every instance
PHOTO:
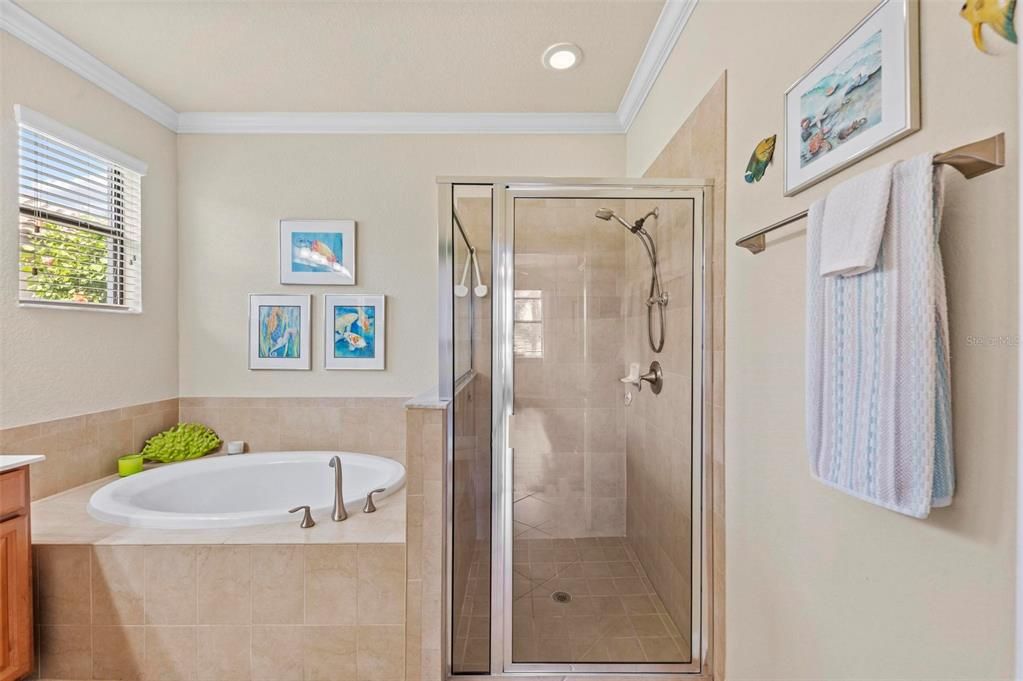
(878, 399)
(854, 223)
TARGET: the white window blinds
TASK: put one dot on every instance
(80, 219)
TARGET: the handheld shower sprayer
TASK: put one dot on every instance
(657, 296)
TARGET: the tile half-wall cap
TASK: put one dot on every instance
(429, 399)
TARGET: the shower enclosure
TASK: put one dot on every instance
(572, 349)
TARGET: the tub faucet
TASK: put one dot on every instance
(339, 512)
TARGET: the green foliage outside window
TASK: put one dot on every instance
(63, 263)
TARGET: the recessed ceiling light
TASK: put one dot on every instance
(562, 56)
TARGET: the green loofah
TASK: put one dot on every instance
(180, 443)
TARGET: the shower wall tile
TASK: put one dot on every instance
(84, 448)
(170, 645)
(698, 150)
(568, 430)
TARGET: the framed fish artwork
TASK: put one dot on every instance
(279, 332)
(354, 331)
(318, 252)
(863, 95)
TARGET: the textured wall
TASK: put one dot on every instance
(233, 190)
(61, 363)
(821, 585)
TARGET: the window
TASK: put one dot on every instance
(79, 224)
(528, 324)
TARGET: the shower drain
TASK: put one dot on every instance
(561, 596)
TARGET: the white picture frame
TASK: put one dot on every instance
(317, 252)
(862, 96)
(354, 331)
(274, 322)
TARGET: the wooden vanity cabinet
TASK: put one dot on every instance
(15, 576)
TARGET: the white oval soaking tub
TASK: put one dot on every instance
(242, 490)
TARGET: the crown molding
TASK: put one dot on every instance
(674, 15)
(673, 18)
(397, 123)
(25, 27)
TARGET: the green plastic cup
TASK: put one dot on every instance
(130, 464)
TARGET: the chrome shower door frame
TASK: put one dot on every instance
(505, 194)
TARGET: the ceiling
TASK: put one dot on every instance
(369, 56)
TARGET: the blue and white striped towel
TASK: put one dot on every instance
(878, 399)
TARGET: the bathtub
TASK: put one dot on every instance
(242, 490)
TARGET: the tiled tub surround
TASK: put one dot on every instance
(426, 439)
(64, 519)
(83, 448)
(269, 603)
(221, 613)
(371, 425)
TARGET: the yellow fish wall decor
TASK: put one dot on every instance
(993, 13)
(761, 157)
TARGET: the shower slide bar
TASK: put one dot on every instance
(972, 160)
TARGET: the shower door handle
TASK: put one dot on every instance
(511, 430)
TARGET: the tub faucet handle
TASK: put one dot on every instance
(307, 516)
(370, 507)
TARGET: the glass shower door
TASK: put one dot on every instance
(598, 555)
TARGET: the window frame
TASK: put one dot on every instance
(119, 259)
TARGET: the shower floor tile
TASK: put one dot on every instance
(612, 614)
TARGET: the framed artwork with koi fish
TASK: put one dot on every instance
(279, 332)
(318, 252)
(354, 331)
(863, 95)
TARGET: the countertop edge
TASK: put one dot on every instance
(11, 461)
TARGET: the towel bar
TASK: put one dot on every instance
(973, 159)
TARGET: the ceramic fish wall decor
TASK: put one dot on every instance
(761, 157)
(995, 14)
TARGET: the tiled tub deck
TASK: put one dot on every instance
(340, 601)
(270, 603)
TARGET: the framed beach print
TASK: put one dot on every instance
(860, 97)
(279, 332)
(318, 252)
(355, 331)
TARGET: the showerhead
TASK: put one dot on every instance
(608, 214)
(657, 296)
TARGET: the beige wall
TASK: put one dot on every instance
(820, 585)
(59, 363)
(233, 190)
